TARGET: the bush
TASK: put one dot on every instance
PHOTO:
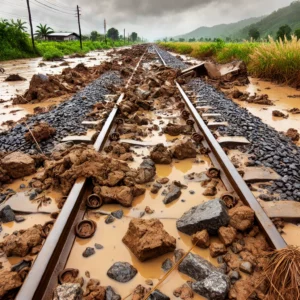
(52, 53)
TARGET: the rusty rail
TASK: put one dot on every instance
(230, 176)
(42, 278)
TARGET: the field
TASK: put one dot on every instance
(274, 60)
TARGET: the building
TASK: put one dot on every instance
(62, 36)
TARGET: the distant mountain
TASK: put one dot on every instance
(220, 31)
(270, 24)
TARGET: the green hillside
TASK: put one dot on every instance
(220, 31)
(269, 25)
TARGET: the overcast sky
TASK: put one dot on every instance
(151, 19)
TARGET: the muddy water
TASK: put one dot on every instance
(27, 68)
(110, 235)
(280, 94)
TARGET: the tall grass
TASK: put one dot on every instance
(275, 60)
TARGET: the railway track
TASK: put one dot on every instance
(61, 246)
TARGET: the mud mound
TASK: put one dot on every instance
(15, 77)
(41, 132)
(81, 161)
(43, 87)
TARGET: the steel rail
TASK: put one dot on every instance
(230, 176)
(41, 279)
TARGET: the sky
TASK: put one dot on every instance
(151, 19)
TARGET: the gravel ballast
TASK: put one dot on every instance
(66, 118)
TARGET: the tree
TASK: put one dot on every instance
(284, 31)
(254, 33)
(297, 33)
(43, 31)
(181, 39)
(192, 40)
(94, 35)
(20, 25)
(113, 34)
(134, 36)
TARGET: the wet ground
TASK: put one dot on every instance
(284, 97)
(27, 68)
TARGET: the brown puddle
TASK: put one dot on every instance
(279, 94)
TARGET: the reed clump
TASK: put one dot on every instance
(282, 274)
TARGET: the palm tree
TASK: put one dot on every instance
(19, 24)
(43, 31)
(5, 22)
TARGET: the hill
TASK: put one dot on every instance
(270, 24)
(220, 31)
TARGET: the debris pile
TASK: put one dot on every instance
(40, 132)
(257, 99)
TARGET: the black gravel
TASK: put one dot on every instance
(268, 147)
(66, 118)
(170, 60)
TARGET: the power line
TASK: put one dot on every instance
(50, 7)
(59, 6)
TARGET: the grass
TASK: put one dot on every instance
(52, 50)
(273, 60)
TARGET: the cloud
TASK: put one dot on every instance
(150, 18)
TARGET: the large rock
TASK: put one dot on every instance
(146, 171)
(210, 215)
(111, 294)
(161, 155)
(184, 149)
(212, 287)
(121, 272)
(9, 281)
(147, 239)
(68, 291)
(21, 242)
(120, 194)
(18, 165)
(211, 282)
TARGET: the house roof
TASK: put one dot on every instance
(62, 34)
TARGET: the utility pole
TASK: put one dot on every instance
(78, 17)
(124, 37)
(30, 22)
(105, 31)
(128, 38)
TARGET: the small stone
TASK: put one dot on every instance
(163, 180)
(148, 210)
(155, 188)
(192, 192)
(201, 239)
(118, 214)
(167, 265)
(98, 246)
(217, 249)
(110, 294)
(7, 215)
(236, 248)
(234, 276)
(88, 252)
(109, 219)
(121, 272)
(22, 186)
(184, 292)
(227, 235)
(33, 195)
(246, 267)
(178, 254)
(173, 194)
(149, 282)
(158, 295)
(19, 219)
(68, 291)
(87, 274)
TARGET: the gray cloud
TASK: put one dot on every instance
(150, 18)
